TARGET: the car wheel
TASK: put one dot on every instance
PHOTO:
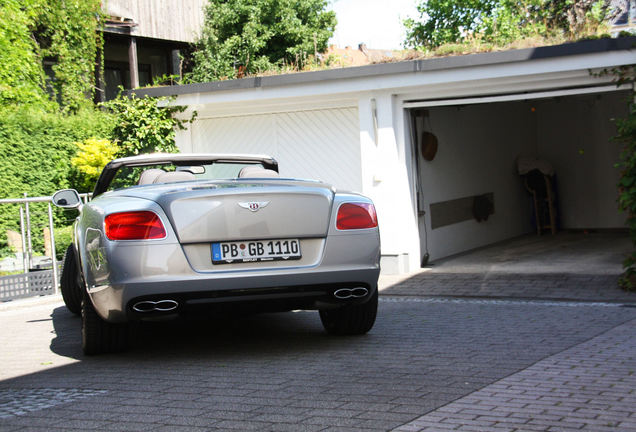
(351, 319)
(71, 289)
(99, 336)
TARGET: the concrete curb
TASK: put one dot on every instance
(25, 303)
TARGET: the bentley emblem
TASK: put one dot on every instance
(254, 205)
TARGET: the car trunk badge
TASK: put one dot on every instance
(253, 205)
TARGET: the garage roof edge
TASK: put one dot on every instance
(425, 65)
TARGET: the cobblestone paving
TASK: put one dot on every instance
(590, 387)
(507, 285)
(19, 402)
(282, 372)
(567, 266)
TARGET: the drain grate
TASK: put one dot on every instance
(15, 402)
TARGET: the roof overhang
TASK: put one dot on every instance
(515, 96)
(562, 67)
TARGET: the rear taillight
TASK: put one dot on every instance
(137, 225)
(356, 216)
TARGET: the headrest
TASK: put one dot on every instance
(149, 176)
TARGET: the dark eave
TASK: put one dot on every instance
(412, 66)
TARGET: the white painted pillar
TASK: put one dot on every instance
(385, 179)
(184, 137)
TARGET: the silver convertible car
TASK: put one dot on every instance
(176, 234)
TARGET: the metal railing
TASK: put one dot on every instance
(39, 282)
(27, 285)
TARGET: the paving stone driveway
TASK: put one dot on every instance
(505, 285)
(430, 357)
(484, 342)
(590, 387)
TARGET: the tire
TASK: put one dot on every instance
(69, 282)
(99, 336)
(351, 319)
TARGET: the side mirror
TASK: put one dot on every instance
(67, 199)
(194, 169)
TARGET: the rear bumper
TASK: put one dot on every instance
(311, 290)
(275, 299)
(136, 273)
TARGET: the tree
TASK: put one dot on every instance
(143, 125)
(503, 21)
(446, 21)
(250, 36)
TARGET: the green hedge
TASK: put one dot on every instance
(36, 148)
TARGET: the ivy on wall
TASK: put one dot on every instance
(21, 72)
(67, 35)
(40, 34)
(627, 182)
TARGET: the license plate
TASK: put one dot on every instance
(255, 250)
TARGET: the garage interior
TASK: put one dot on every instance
(473, 173)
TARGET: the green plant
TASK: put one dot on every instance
(49, 51)
(60, 36)
(164, 80)
(243, 37)
(504, 21)
(66, 32)
(627, 186)
(92, 157)
(21, 71)
(144, 126)
(626, 134)
(36, 148)
(63, 238)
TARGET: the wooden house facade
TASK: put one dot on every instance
(145, 41)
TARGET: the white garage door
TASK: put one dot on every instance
(319, 144)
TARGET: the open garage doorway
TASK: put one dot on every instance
(469, 191)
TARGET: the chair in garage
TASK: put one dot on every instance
(540, 186)
(538, 179)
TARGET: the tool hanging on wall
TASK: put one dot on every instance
(428, 145)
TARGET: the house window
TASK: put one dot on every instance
(118, 74)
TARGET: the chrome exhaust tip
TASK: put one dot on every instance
(155, 306)
(347, 293)
(359, 292)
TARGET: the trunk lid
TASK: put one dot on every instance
(245, 210)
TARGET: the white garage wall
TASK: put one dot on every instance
(574, 134)
(317, 144)
(478, 146)
(249, 134)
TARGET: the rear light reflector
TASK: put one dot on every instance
(356, 216)
(137, 225)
